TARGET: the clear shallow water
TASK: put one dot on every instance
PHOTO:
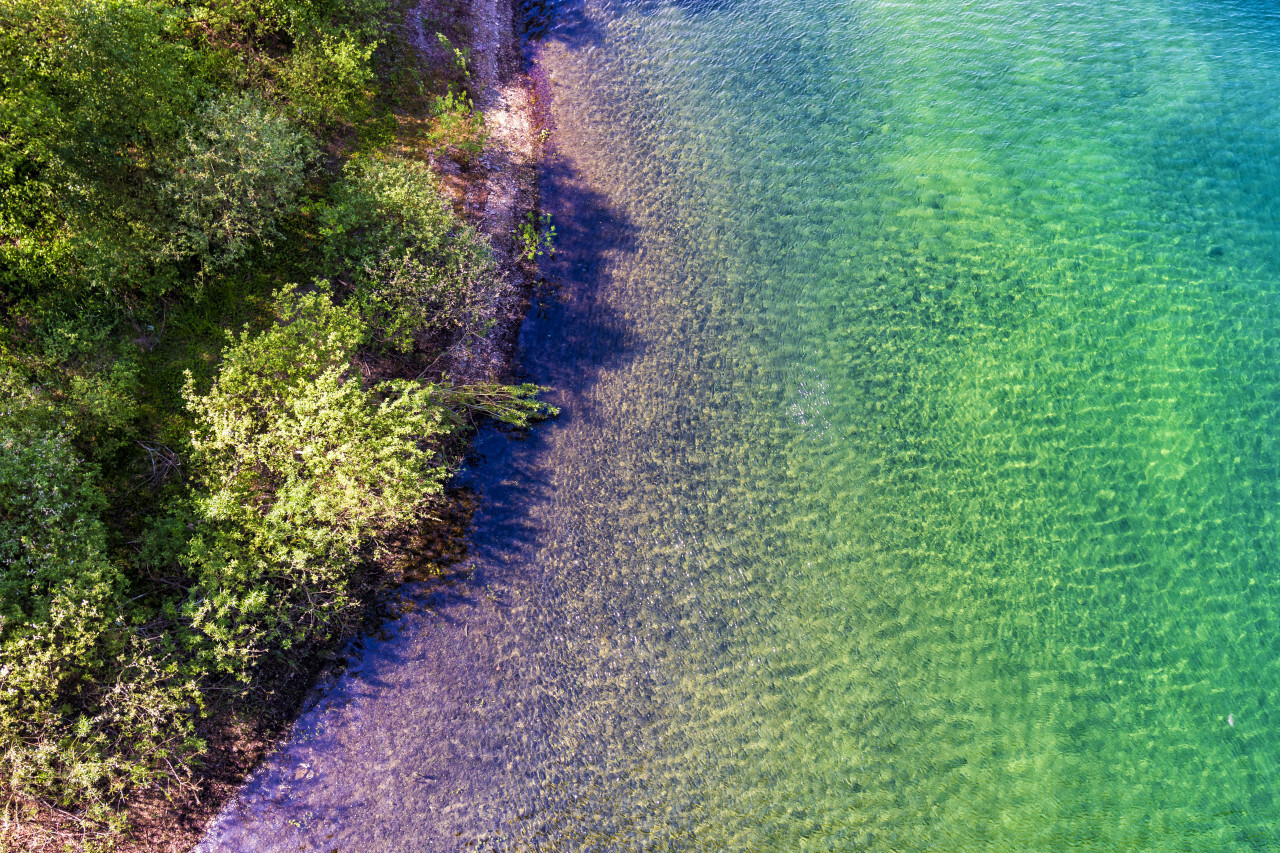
(917, 484)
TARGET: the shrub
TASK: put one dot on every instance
(86, 707)
(457, 127)
(303, 467)
(52, 556)
(92, 87)
(241, 169)
(95, 371)
(329, 79)
(315, 55)
(536, 236)
(416, 268)
(93, 92)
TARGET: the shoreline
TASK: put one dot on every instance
(508, 187)
(428, 728)
(494, 196)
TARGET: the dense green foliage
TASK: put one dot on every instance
(302, 467)
(88, 704)
(417, 270)
(240, 171)
(203, 241)
(93, 95)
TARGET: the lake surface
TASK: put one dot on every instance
(918, 479)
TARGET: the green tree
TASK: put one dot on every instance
(240, 170)
(417, 269)
(92, 93)
(325, 73)
(88, 706)
(303, 469)
(303, 466)
(329, 79)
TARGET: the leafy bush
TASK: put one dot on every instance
(86, 708)
(53, 548)
(72, 358)
(457, 128)
(241, 170)
(536, 236)
(303, 470)
(329, 79)
(303, 467)
(92, 86)
(315, 55)
(94, 91)
(417, 269)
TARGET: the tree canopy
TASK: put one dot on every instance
(226, 275)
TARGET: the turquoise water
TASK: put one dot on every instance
(916, 487)
(951, 446)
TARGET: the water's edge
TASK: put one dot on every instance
(261, 813)
(916, 480)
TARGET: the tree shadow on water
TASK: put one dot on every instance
(569, 337)
(568, 22)
(431, 736)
